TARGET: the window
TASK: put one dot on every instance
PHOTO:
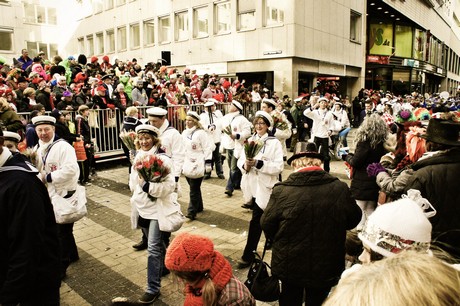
(403, 41)
(246, 15)
(355, 26)
(149, 32)
(121, 39)
(110, 40)
(181, 26)
(6, 39)
(222, 17)
(52, 16)
(274, 12)
(164, 29)
(109, 4)
(97, 6)
(29, 13)
(53, 50)
(120, 2)
(39, 14)
(135, 36)
(200, 22)
(81, 45)
(99, 43)
(32, 47)
(42, 47)
(90, 45)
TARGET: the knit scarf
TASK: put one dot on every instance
(220, 274)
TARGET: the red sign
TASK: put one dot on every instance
(379, 59)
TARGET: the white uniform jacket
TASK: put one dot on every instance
(322, 122)
(258, 182)
(58, 160)
(162, 191)
(173, 146)
(241, 129)
(214, 128)
(198, 146)
(342, 120)
(282, 135)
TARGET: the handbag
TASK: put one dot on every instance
(111, 119)
(264, 287)
(69, 209)
(79, 147)
(193, 168)
(170, 217)
(93, 119)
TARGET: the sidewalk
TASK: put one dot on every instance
(109, 267)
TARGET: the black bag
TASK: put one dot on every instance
(263, 287)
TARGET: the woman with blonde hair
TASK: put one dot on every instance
(370, 139)
(207, 275)
(197, 162)
(410, 278)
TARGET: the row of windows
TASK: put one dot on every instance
(222, 12)
(6, 44)
(34, 13)
(99, 5)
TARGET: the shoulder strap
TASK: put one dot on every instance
(48, 150)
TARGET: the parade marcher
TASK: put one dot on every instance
(197, 161)
(281, 131)
(11, 140)
(370, 139)
(261, 173)
(147, 196)
(322, 128)
(341, 117)
(58, 166)
(210, 121)
(207, 274)
(240, 130)
(308, 263)
(297, 114)
(29, 246)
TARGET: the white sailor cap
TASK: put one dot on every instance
(210, 102)
(37, 120)
(147, 128)
(11, 136)
(193, 115)
(270, 102)
(322, 99)
(237, 105)
(267, 117)
(157, 111)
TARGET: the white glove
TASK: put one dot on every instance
(294, 131)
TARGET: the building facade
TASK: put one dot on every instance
(287, 46)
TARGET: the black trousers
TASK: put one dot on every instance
(196, 201)
(69, 251)
(323, 145)
(292, 295)
(254, 233)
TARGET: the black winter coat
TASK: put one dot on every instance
(29, 247)
(362, 186)
(437, 178)
(307, 218)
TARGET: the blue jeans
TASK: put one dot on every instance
(344, 135)
(234, 178)
(156, 253)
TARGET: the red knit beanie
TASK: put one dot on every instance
(93, 59)
(189, 253)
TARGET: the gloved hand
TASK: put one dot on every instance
(374, 169)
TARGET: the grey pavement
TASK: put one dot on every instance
(109, 267)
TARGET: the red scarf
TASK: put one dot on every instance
(220, 274)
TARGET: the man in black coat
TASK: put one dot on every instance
(29, 247)
(307, 218)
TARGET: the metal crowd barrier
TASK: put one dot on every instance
(106, 125)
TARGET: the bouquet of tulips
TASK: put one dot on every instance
(252, 148)
(151, 168)
(279, 122)
(128, 139)
(227, 130)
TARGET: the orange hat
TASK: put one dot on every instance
(93, 59)
(189, 253)
(105, 58)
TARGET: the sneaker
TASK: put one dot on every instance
(242, 264)
(149, 298)
(221, 176)
(140, 246)
(228, 192)
(248, 205)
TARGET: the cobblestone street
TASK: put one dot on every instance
(109, 267)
